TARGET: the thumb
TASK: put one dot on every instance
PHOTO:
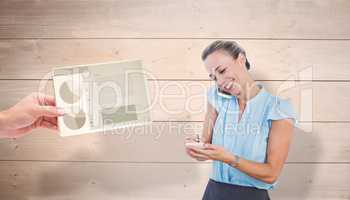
(48, 111)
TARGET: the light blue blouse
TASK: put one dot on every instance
(247, 138)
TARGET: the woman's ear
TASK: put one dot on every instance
(241, 59)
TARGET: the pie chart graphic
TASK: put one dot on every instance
(69, 93)
(75, 121)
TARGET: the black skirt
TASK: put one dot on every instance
(223, 191)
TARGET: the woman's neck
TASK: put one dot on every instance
(249, 90)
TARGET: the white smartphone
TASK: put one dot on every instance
(223, 94)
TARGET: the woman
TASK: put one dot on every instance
(247, 131)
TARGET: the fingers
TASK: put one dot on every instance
(48, 125)
(48, 111)
(197, 156)
(194, 152)
(52, 120)
(209, 146)
(199, 151)
(45, 100)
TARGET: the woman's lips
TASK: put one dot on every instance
(228, 85)
(230, 88)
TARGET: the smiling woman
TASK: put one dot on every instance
(247, 162)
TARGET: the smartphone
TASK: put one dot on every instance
(223, 94)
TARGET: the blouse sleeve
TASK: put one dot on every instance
(281, 109)
(213, 98)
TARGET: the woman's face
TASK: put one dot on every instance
(226, 71)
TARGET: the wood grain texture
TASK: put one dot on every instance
(52, 180)
(164, 142)
(186, 100)
(169, 18)
(297, 41)
(178, 59)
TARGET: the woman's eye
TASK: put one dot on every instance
(222, 71)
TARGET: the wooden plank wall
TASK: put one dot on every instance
(296, 47)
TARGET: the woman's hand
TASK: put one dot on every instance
(34, 111)
(214, 152)
(191, 150)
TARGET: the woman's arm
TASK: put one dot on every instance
(208, 124)
(280, 137)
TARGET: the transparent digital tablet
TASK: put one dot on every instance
(101, 97)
